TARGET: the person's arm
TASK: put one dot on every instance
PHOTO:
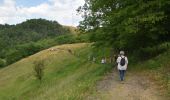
(126, 60)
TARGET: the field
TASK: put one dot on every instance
(70, 75)
(67, 75)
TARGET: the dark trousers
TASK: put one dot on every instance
(122, 74)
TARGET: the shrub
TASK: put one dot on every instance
(2, 62)
(39, 69)
(13, 55)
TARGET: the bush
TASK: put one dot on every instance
(12, 56)
(2, 62)
(39, 69)
(65, 39)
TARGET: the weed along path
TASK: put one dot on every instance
(135, 87)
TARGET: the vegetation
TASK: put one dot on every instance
(140, 27)
(137, 26)
(2, 62)
(21, 40)
(39, 69)
(156, 69)
(66, 76)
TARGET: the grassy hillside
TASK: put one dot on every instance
(67, 76)
(157, 69)
(70, 75)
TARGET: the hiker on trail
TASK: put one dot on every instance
(103, 61)
(122, 62)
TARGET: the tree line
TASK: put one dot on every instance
(24, 39)
(140, 27)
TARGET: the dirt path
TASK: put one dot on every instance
(135, 87)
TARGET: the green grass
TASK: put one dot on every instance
(70, 76)
(66, 76)
(157, 69)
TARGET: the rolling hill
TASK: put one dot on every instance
(29, 37)
(70, 75)
(67, 76)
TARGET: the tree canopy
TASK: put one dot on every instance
(127, 24)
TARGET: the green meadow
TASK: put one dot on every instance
(67, 76)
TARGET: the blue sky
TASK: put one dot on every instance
(29, 3)
(17, 11)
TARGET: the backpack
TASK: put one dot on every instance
(122, 61)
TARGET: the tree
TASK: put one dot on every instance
(21, 40)
(2, 62)
(39, 69)
(127, 24)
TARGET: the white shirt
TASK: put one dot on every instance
(122, 67)
(102, 61)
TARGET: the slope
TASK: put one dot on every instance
(67, 75)
(24, 39)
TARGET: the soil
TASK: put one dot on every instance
(134, 87)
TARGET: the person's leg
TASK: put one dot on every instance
(121, 75)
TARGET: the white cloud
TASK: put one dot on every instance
(63, 11)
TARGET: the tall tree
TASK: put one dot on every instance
(127, 24)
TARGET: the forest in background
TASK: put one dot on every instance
(24, 39)
(74, 71)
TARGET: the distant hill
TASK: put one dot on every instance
(30, 30)
(18, 41)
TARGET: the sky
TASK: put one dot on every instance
(17, 11)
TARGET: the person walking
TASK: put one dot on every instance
(103, 61)
(122, 62)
